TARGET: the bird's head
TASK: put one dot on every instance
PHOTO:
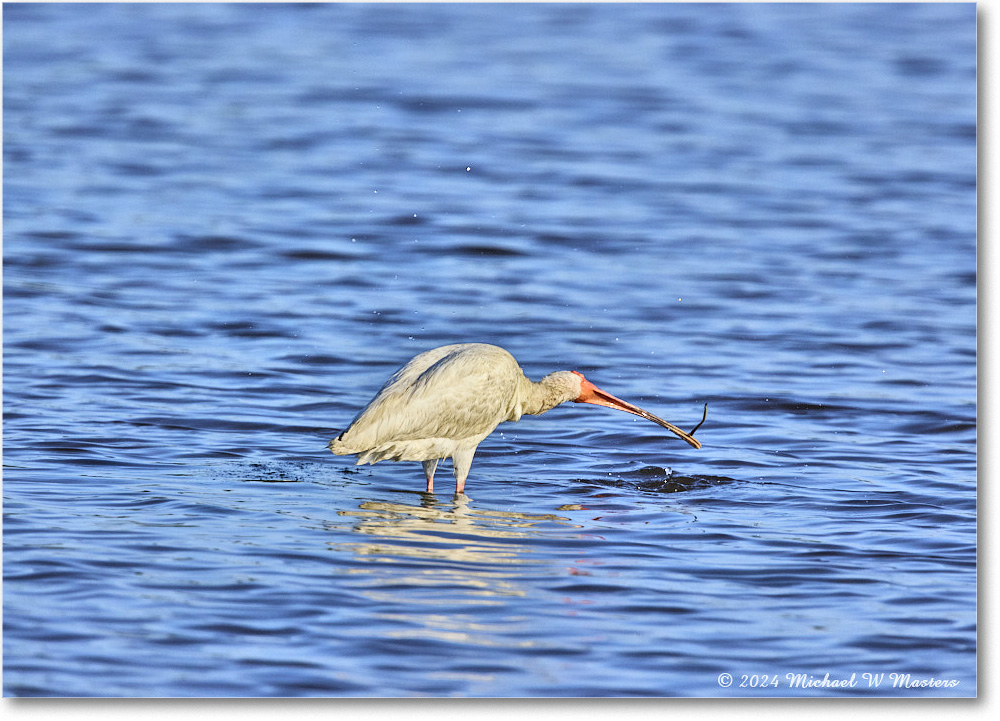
(572, 386)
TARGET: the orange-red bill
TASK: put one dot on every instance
(589, 393)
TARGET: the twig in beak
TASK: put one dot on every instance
(704, 415)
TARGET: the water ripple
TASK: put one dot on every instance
(226, 225)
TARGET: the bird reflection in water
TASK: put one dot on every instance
(446, 531)
(445, 571)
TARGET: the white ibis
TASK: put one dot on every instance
(444, 402)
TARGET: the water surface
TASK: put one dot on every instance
(225, 225)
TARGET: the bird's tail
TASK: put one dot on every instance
(337, 446)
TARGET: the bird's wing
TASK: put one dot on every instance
(452, 395)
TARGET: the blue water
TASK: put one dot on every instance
(226, 225)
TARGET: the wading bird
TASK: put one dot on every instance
(444, 402)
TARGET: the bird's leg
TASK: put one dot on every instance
(462, 460)
(429, 467)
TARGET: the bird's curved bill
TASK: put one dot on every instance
(596, 396)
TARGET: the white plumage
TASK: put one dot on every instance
(444, 402)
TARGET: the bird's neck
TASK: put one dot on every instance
(550, 391)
